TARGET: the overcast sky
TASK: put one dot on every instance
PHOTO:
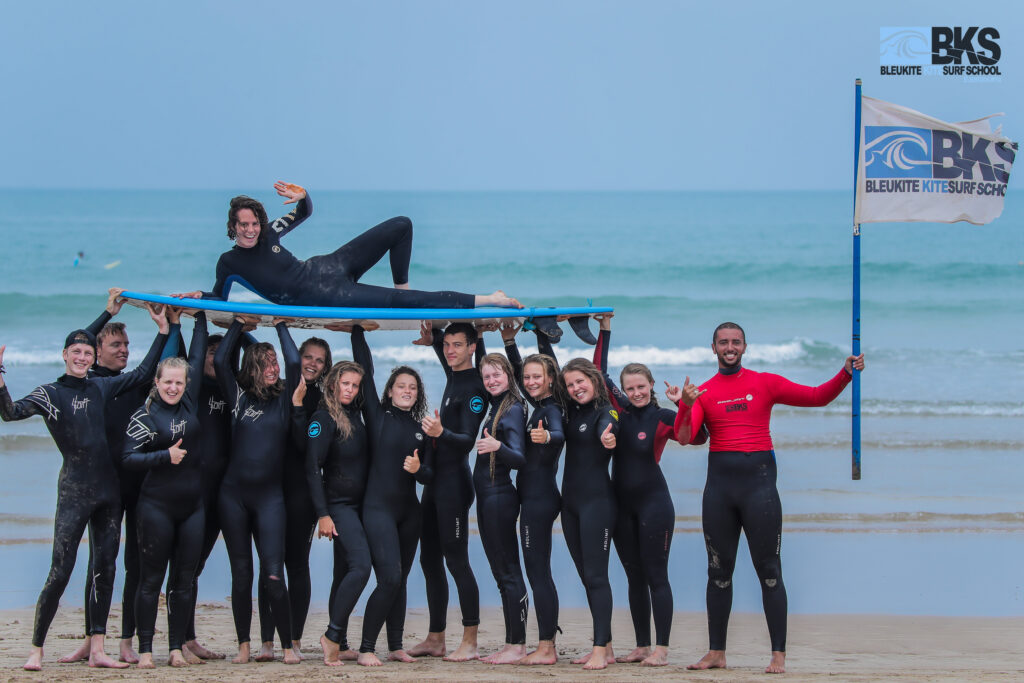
(465, 94)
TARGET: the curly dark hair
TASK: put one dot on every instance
(419, 408)
(242, 202)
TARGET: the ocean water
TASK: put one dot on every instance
(939, 504)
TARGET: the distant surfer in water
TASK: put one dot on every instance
(259, 262)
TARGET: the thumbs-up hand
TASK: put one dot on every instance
(412, 462)
(539, 434)
(432, 425)
(177, 453)
(690, 392)
(607, 438)
(299, 394)
(488, 444)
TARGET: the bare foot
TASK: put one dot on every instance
(510, 654)
(330, 651)
(146, 661)
(189, 656)
(127, 653)
(292, 657)
(348, 655)
(464, 653)
(432, 646)
(198, 650)
(714, 659)
(243, 654)
(637, 655)
(598, 659)
(79, 655)
(400, 656)
(498, 298)
(402, 286)
(657, 658)
(177, 658)
(778, 663)
(35, 660)
(101, 660)
(266, 652)
(544, 654)
(368, 659)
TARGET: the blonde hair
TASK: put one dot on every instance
(512, 396)
(176, 362)
(332, 402)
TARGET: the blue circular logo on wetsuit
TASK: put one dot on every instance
(314, 430)
(476, 404)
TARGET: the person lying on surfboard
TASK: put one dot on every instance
(260, 263)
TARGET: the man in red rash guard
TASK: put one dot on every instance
(736, 406)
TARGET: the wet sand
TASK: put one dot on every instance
(821, 647)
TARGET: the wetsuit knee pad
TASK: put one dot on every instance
(769, 573)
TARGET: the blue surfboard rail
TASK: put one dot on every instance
(275, 310)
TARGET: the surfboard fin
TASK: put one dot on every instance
(580, 325)
(548, 325)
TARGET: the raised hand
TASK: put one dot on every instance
(114, 300)
(299, 394)
(197, 294)
(173, 314)
(159, 315)
(325, 528)
(488, 444)
(539, 434)
(177, 453)
(432, 425)
(412, 462)
(605, 320)
(607, 438)
(673, 392)
(290, 191)
(690, 392)
(509, 329)
(426, 334)
(854, 363)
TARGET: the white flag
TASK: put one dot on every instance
(912, 167)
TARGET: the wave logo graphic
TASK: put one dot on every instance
(897, 152)
(900, 45)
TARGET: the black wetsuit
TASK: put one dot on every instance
(391, 511)
(539, 499)
(170, 510)
(87, 490)
(336, 470)
(251, 501)
(646, 515)
(497, 508)
(300, 524)
(447, 499)
(330, 279)
(118, 413)
(588, 508)
(214, 442)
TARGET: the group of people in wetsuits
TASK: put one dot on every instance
(238, 449)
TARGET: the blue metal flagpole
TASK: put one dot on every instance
(855, 408)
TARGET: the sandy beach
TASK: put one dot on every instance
(821, 647)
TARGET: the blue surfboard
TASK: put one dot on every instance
(319, 317)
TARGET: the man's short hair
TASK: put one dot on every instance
(110, 329)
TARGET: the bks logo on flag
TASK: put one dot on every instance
(908, 152)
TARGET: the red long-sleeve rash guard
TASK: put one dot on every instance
(737, 408)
